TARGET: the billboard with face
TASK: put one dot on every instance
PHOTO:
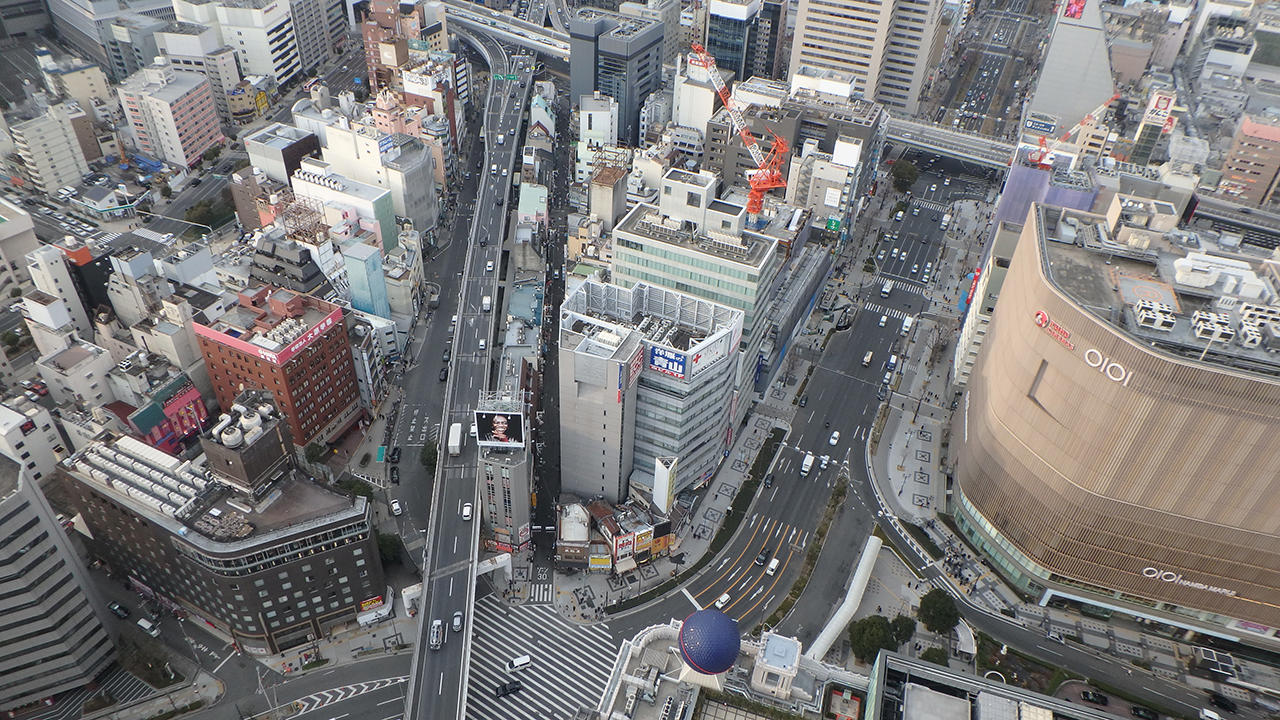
(499, 429)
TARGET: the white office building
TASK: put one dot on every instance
(645, 373)
(259, 31)
(47, 148)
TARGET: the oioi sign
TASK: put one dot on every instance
(1108, 368)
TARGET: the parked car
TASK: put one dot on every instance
(1222, 702)
(396, 509)
(395, 475)
(1143, 713)
(119, 610)
(1096, 698)
(393, 457)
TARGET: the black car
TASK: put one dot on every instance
(393, 457)
(1096, 698)
(804, 400)
(768, 480)
(762, 558)
(395, 475)
(1143, 713)
(119, 610)
(506, 689)
(1222, 702)
(444, 374)
(196, 182)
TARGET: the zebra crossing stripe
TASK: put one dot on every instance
(570, 668)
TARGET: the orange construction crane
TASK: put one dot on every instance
(1044, 154)
(768, 173)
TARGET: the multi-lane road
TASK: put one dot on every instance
(439, 676)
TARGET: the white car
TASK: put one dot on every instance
(488, 267)
(722, 601)
(915, 268)
(933, 187)
(835, 438)
(883, 319)
(396, 509)
(466, 512)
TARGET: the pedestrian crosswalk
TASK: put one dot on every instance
(892, 313)
(930, 204)
(540, 593)
(903, 284)
(116, 682)
(571, 662)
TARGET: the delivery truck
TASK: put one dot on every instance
(455, 439)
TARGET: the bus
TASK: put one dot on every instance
(888, 288)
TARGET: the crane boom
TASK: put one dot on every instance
(739, 122)
(1044, 153)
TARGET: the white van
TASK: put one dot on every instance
(892, 364)
(906, 326)
(519, 663)
(149, 627)
(773, 567)
(807, 465)
(866, 359)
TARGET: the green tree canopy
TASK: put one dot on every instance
(903, 628)
(869, 636)
(938, 611)
(905, 175)
(935, 655)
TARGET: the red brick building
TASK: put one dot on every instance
(294, 346)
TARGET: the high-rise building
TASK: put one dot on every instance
(619, 55)
(368, 284)
(597, 129)
(294, 346)
(259, 31)
(171, 113)
(277, 150)
(652, 372)
(29, 438)
(130, 43)
(1157, 121)
(666, 12)
(23, 18)
(1118, 440)
(343, 199)
(79, 80)
(823, 122)
(198, 48)
(55, 637)
(320, 27)
(88, 26)
(745, 36)
(1251, 168)
(49, 153)
(242, 539)
(887, 48)
(51, 274)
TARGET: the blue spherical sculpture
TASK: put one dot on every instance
(709, 641)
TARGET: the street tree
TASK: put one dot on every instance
(903, 628)
(870, 635)
(905, 175)
(938, 611)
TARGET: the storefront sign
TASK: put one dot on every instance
(1055, 331)
(1110, 369)
(1113, 371)
(1176, 578)
(371, 603)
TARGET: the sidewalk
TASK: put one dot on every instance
(205, 689)
(908, 469)
(394, 635)
(581, 596)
